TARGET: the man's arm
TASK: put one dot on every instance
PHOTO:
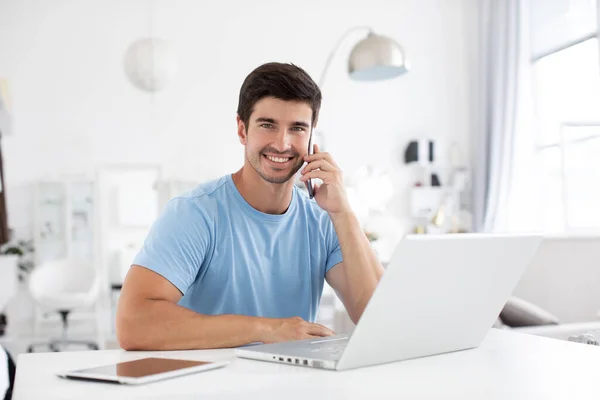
(149, 318)
(355, 279)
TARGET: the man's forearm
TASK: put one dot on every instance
(361, 265)
(162, 325)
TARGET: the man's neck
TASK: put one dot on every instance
(269, 198)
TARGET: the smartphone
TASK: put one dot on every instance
(308, 183)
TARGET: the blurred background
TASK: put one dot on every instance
(110, 108)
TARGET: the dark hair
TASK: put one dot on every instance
(282, 81)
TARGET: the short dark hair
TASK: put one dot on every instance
(283, 81)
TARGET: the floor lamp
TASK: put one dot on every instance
(374, 58)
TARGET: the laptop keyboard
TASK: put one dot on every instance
(332, 348)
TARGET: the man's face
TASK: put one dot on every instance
(276, 138)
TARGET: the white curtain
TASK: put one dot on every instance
(503, 60)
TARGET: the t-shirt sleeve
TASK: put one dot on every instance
(177, 243)
(334, 252)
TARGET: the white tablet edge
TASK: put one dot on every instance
(145, 379)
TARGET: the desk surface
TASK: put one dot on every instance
(508, 365)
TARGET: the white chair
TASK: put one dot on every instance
(63, 286)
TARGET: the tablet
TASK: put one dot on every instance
(142, 371)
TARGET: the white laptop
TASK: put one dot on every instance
(439, 293)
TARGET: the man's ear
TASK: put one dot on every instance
(242, 132)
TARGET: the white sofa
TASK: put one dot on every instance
(562, 331)
(564, 279)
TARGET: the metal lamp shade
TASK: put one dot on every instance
(376, 58)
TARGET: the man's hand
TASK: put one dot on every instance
(331, 195)
(286, 329)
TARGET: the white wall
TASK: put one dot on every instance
(75, 111)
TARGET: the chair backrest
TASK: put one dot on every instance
(63, 276)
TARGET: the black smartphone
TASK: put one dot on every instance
(308, 183)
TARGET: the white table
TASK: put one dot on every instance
(508, 365)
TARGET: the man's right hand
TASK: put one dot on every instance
(286, 329)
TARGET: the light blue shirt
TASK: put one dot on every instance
(228, 258)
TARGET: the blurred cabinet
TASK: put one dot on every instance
(65, 226)
(64, 220)
(168, 189)
(443, 209)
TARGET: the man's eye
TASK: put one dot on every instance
(298, 129)
(268, 126)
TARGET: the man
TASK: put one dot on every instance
(243, 258)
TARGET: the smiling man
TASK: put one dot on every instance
(243, 258)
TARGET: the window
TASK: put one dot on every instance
(567, 143)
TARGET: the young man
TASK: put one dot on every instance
(243, 258)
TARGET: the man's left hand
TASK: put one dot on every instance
(331, 195)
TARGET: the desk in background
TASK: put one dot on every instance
(508, 365)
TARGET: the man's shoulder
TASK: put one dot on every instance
(202, 200)
(206, 190)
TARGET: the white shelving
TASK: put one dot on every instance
(65, 227)
(168, 189)
(65, 220)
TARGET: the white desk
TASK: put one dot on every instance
(507, 366)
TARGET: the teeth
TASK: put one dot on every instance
(278, 159)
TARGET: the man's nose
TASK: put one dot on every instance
(282, 141)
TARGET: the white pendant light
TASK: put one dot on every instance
(150, 64)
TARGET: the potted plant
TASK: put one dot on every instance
(372, 236)
(17, 256)
(24, 250)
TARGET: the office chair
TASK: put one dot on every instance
(63, 286)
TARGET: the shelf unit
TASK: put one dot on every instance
(65, 227)
(65, 220)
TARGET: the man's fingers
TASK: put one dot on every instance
(327, 177)
(321, 156)
(307, 336)
(326, 155)
(319, 330)
(316, 188)
(322, 164)
(330, 332)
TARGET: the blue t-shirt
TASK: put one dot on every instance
(228, 258)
